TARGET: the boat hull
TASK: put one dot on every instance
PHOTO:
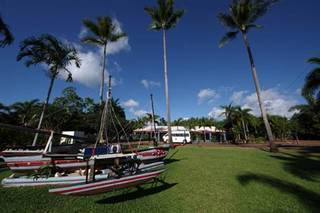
(69, 180)
(103, 186)
(23, 164)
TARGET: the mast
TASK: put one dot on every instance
(153, 120)
(109, 97)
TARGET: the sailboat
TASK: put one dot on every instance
(70, 163)
(124, 169)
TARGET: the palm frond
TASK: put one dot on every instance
(7, 35)
(259, 8)
(312, 84)
(91, 26)
(174, 19)
(92, 40)
(314, 60)
(156, 24)
(227, 21)
(227, 38)
(116, 37)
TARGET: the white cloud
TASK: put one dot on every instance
(89, 73)
(131, 103)
(148, 84)
(237, 97)
(216, 113)
(275, 102)
(121, 44)
(140, 113)
(207, 95)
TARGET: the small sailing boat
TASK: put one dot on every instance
(71, 164)
(123, 173)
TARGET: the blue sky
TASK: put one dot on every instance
(201, 76)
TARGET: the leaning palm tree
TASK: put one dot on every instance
(6, 34)
(241, 18)
(51, 52)
(164, 17)
(311, 86)
(103, 32)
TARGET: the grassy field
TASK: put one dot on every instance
(199, 179)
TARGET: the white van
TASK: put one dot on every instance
(179, 136)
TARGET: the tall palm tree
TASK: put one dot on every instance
(241, 18)
(103, 32)
(7, 35)
(311, 86)
(56, 55)
(164, 17)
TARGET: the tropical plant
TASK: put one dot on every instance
(241, 18)
(6, 34)
(103, 32)
(280, 127)
(164, 17)
(306, 120)
(26, 112)
(51, 52)
(244, 115)
(311, 88)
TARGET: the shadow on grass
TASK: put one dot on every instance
(171, 159)
(168, 161)
(308, 198)
(139, 193)
(304, 164)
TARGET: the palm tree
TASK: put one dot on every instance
(26, 112)
(164, 17)
(241, 18)
(244, 119)
(103, 32)
(56, 55)
(312, 82)
(7, 35)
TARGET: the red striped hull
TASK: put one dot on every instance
(107, 185)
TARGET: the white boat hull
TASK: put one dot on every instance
(68, 180)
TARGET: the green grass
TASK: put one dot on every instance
(198, 179)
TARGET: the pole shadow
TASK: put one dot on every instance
(308, 198)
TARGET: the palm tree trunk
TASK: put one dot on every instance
(45, 105)
(102, 74)
(166, 85)
(258, 91)
(244, 130)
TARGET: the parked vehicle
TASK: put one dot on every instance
(179, 136)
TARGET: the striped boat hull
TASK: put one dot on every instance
(99, 187)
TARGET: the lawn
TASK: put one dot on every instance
(199, 179)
